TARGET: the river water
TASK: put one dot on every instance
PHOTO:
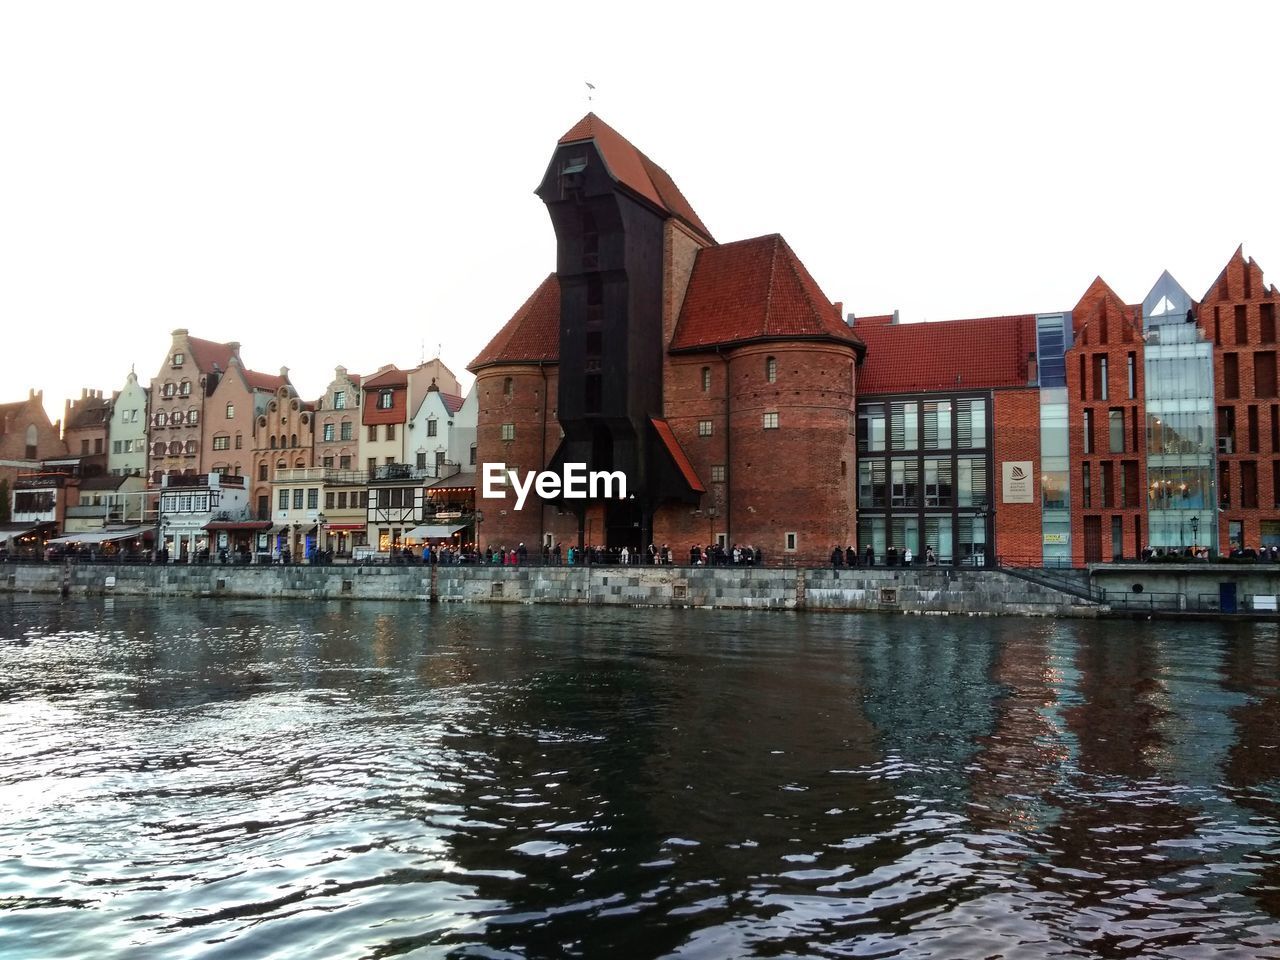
(255, 779)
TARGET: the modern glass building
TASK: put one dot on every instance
(1053, 338)
(1181, 507)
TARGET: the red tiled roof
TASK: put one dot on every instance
(264, 381)
(452, 402)
(88, 412)
(945, 355)
(395, 377)
(668, 438)
(208, 352)
(633, 169)
(751, 290)
(532, 335)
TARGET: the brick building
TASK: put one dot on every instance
(86, 425)
(189, 374)
(27, 436)
(719, 378)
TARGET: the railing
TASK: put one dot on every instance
(300, 474)
(1150, 601)
(1056, 578)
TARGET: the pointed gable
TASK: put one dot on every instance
(635, 171)
(1239, 280)
(532, 335)
(208, 354)
(1102, 317)
(754, 290)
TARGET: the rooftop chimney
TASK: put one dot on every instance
(284, 373)
(180, 332)
(894, 321)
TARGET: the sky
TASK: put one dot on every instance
(353, 183)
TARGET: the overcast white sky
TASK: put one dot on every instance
(346, 183)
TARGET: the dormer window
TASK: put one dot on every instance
(384, 399)
(178, 359)
(571, 172)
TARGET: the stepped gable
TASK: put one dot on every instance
(945, 355)
(532, 335)
(755, 290)
(636, 171)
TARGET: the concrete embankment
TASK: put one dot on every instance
(921, 591)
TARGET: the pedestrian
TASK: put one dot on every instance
(871, 556)
(626, 556)
(906, 557)
(836, 558)
(850, 557)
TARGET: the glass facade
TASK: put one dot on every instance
(1053, 338)
(1178, 367)
(923, 477)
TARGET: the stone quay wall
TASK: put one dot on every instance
(919, 591)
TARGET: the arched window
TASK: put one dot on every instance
(706, 379)
(185, 389)
(273, 441)
(293, 440)
(771, 369)
(299, 464)
(191, 447)
(175, 448)
(508, 387)
(158, 448)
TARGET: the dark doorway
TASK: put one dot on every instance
(1092, 539)
(624, 524)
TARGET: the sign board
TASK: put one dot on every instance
(1019, 481)
(1055, 538)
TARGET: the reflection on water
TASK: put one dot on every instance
(284, 780)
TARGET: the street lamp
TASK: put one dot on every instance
(1195, 531)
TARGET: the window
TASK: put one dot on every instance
(432, 426)
(1231, 376)
(222, 442)
(904, 483)
(704, 428)
(1099, 377)
(384, 399)
(191, 448)
(328, 500)
(178, 359)
(1264, 374)
(283, 499)
(717, 473)
(771, 421)
(1253, 428)
(170, 389)
(327, 463)
(937, 482)
(297, 498)
(372, 465)
(1267, 323)
(373, 433)
(937, 425)
(1224, 483)
(117, 446)
(1249, 484)
(971, 424)
(231, 411)
(344, 462)
(421, 462)
(262, 471)
(508, 387)
(1115, 423)
(239, 441)
(1108, 484)
(871, 435)
(1087, 485)
(327, 433)
(872, 483)
(84, 447)
(1133, 381)
(342, 500)
(771, 369)
(193, 417)
(903, 426)
(339, 399)
(345, 432)
(313, 498)
(1088, 431)
(508, 431)
(1242, 325)
(473, 455)
(790, 543)
(706, 379)
(185, 389)
(390, 432)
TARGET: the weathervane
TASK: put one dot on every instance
(590, 89)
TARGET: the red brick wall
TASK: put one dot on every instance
(800, 477)
(1106, 327)
(1241, 287)
(1016, 415)
(530, 406)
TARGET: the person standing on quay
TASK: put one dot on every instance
(836, 557)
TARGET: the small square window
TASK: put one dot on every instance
(508, 431)
(178, 359)
(791, 543)
(717, 473)
(771, 421)
(704, 428)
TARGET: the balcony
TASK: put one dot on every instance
(400, 472)
(300, 475)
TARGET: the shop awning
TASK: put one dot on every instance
(104, 536)
(345, 526)
(434, 531)
(237, 525)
